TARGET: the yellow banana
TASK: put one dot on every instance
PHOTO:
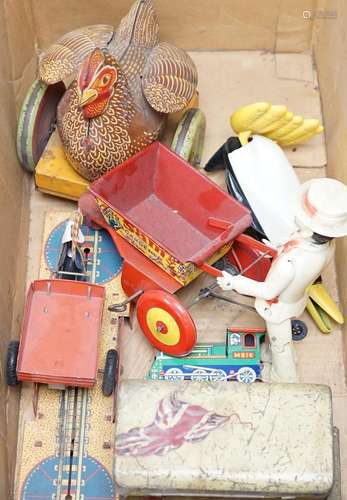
(267, 121)
(291, 125)
(320, 317)
(307, 129)
(320, 295)
(243, 118)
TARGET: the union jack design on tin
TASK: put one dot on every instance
(176, 423)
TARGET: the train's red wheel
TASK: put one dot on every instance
(166, 322)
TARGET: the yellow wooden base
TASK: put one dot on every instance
(55, 175)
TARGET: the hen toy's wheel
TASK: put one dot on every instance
(188, 141)
(246, 375)
(37, 121)
(166, 323)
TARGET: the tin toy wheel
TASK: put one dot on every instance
(246, 375)
(218, 375)
(188, 141)
(299, 330)
(166, 323)
(110, 370)
(200, 375)
(174, 374)
(37, 121)
(11, 363)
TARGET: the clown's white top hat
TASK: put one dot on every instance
(322, 207)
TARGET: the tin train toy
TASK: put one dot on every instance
(236, 359)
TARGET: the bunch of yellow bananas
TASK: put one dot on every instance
(274, 122)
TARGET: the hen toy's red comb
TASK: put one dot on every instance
(89, 67)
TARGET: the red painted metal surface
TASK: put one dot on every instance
(172, 203)
(245, 251)
(60, 333)
(138, 273)
(161, 301)
(237, 329)
(256, 244)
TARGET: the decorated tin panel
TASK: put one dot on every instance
(183, 272)
(215, 437)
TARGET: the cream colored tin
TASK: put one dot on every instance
(224, 439)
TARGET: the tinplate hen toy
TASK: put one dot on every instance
(126, 84)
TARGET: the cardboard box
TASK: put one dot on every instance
(279, 30)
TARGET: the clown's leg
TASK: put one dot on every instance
(265, 352)
(283, 367)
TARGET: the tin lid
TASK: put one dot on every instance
(222, 438)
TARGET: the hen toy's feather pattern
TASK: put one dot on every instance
(169, 78)
(139, 27)
(176, 423)
(132, 65)
(136, 35)
(64, 57)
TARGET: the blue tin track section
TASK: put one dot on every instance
(104, 261)
(96, 484)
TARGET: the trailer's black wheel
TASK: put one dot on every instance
(110, 372)
(11, 363)
(299, 330)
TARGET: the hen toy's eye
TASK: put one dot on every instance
(105, 79)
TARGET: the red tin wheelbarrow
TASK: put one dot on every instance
(170, 223)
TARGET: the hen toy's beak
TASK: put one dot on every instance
(88, 95)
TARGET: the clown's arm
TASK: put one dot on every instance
(276, 281)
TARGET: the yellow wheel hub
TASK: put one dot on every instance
(163, 326)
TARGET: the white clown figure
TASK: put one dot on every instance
(321, 215)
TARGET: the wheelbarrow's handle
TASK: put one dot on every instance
(219, 223)
(256, 245)
(200, 258)
(251, 243)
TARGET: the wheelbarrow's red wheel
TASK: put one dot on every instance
(166, 323)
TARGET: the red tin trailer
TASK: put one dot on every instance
(170, 223)
(60, 335)
(61, 328)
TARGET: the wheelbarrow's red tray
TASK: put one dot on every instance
(60, 333)
(169, 211)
